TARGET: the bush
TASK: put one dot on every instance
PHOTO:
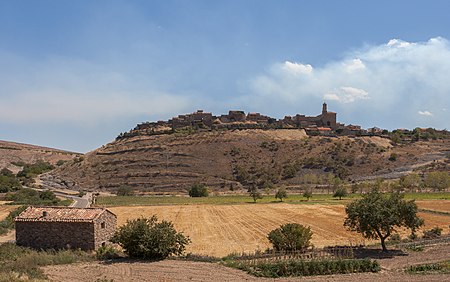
(26, 196)
(432, 233)
(198, 190)
(149, 239)
(290, 237)
(125, 191)
(286, 268)
(281, 193)
(107, 252)
(340, 192)
(307, 194)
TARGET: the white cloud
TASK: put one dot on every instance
(347, 95)
(425, 113)
(384, 85)
(296, 68)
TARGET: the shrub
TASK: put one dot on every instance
(286, 268)
(107, 252)
(255, 194)
(393, 157)
(149, 239)
(26, 196)
(281, 193)
(307, 194)
(198, 190)
(124, 191)
(340, 192)
(290, 237)
(432, 233)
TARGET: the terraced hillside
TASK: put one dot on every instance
(12, 153)
(231, 160)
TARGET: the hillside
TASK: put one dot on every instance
(12, 153)
(236, 159)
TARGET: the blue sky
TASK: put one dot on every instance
(74, 74)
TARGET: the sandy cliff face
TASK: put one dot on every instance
(229, 160)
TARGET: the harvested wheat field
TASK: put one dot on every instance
(5, 209)
(219, 230)
(435, 205)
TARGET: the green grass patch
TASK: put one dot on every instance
(430, 268)
(245, 199)
(19, 263)
(286, 268)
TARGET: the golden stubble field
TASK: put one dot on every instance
(5, 209)
(219, 230)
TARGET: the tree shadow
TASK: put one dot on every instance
(377, 253)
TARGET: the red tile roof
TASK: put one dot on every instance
(60, 214)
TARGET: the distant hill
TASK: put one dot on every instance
(236, 159)
(12, 153)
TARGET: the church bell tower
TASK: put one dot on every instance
(324, 108)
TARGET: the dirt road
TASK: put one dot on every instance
(172, 270)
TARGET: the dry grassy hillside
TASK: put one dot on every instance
(230, 160)
(12, 152)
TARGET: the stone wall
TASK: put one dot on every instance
(104, 228)
(62, 235)
(55, 235)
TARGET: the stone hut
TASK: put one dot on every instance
(64, 227)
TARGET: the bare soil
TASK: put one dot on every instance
(173, 270)
(11, 152)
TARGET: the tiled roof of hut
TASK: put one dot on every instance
(60, 214)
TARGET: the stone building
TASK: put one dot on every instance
(325, 119)
(64, 227)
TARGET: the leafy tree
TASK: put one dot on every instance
(147, 238)
(28, 196)
(255, 194)
(340, 192)
(125, 191)
(438, 180)
(290, 237)
(8, 182)
(198, 190)
(410, 181)
(281, 193)
(377, 215)
(307, 194)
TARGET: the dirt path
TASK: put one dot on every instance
(172, 270)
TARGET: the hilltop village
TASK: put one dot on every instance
(322, 124)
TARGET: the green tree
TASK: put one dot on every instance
(290, 237)
(438, 180)
(281, 193)
(307, 194)
(147, 238)
(255, 194)
(340, 192)
(377, 215)
(411, 181)
(198, 190)
(125, 191)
